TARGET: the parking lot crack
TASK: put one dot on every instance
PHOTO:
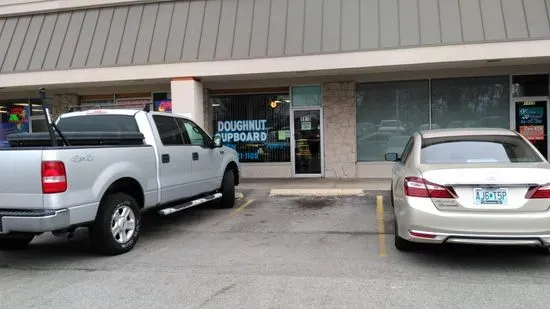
(218, 293)
(13, 267)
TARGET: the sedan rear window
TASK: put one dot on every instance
(98, 123)
(477, 149)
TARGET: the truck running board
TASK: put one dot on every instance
(171, 210)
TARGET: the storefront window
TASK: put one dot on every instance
(256, 125)
(14, 116)
(162, 101)
(387, 114)
(471, 102)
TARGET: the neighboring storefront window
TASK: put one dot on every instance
(256, 125)
(387, 114)
(471, 102)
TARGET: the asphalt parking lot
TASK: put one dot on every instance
(273, 252)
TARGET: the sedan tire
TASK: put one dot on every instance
(402, 244)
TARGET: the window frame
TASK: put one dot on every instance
(183, 140)
(407, 151)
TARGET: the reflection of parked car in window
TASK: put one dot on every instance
(494, 122)
(426, 126)
(456, 124)
(365, 128)
(374, 145)
(391, 126)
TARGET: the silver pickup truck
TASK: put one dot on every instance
(113, 165)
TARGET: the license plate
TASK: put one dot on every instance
(491, 196)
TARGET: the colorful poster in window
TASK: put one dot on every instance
(15, 119)
(532, 133)
(164, 105)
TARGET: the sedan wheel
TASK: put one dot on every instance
(400, 243)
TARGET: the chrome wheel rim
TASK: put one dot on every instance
(123, 224)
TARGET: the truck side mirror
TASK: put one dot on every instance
(217, 141)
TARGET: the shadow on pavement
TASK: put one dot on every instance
(47, 247)
(479, 258)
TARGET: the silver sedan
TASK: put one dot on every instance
(470, 186)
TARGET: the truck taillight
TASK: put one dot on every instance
(54, 177)
(542, 191)
(420, 187)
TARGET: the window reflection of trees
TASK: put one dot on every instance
(471, 102)
(455, 102)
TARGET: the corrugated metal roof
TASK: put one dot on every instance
(202, 30)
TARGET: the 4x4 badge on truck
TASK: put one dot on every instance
(77, 158)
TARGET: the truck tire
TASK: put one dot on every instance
(227, 190)
(117, 225)
(15, 243)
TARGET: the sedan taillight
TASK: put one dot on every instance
(542, 191)
(420, 187)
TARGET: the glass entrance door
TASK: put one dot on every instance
(532, 122)
(307, 142)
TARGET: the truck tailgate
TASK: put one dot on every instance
(20, 179)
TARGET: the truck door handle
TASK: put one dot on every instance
(165, 158)
(195, 156)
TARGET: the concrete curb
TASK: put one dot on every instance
(317, 192)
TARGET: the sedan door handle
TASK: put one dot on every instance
(165, 158)
(195, 156)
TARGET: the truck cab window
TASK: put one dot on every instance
(169, 132)
(196, 135)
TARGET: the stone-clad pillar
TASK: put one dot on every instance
(339, 130)
(60, 104)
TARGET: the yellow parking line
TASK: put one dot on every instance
(381, 229)
(241, 208)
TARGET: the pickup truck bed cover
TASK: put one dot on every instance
(77, 139)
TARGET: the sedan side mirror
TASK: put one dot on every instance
(217, 141)
(392, 156)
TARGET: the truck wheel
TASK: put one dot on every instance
(15, 243)
(117, 225)
(228, 190)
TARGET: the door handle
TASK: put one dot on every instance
(195, 156)
(165, 158)
(222, 152)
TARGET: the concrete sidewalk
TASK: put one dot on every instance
(314, 186)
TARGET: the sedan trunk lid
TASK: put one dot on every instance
(483, 188)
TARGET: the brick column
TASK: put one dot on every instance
(339, 130)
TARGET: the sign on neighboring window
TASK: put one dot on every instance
(162, 102)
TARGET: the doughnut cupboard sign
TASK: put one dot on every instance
(243, 131)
